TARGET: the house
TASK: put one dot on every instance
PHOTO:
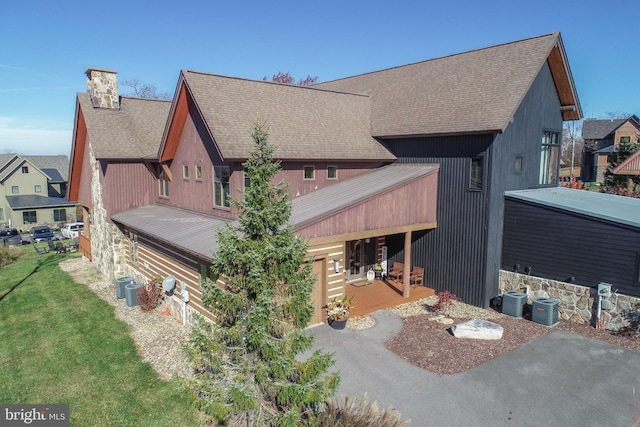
(33, 190)
(408, 164)
(601, 137)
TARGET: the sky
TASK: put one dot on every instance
(45, 47)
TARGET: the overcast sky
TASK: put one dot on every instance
(47, 45)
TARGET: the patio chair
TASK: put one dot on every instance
(417, 276)
(40, 251)
(52, 247)
(397, 271)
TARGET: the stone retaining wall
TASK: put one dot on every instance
(576, 303)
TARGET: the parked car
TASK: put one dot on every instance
(71, 230)
(10, 237)
(41, 234)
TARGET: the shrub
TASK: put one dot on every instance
(148, 296)
(346, 412)
(9, 255)
(444, 298)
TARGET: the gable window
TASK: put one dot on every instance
(332, 172)
(15, 189)
(37, 189)
(60, 215)
(163, 185)
(221, 186)
(133, 247)
(625, 139)
(25, 169)
(29, 217)
(549, 155)
(198, 172)
(476, 173)
(309, 173)
(185, 171)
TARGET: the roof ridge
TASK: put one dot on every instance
(556, 33)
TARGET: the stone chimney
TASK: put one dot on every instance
(102, 86)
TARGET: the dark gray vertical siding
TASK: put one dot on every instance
(463, 254)
(559, 244)
(538, 112)
(453, 253)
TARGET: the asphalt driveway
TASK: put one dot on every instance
(560, 379)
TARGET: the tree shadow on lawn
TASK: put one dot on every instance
(51, 260)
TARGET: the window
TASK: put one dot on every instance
(1, 214)
(625, 139)
(163, 185)
(15, 189)
(518, 164)
(221, 186)
(185, 171)
(549, 158)
(247, 184)
(25, 169)
(332, 172)
(475, 174)
(309, 172)
(37, 189)
(198, 173)
(60, 215)
(133, 248)
(29, 217)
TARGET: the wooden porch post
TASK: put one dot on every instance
(406, 280)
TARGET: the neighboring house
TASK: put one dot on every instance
(407, 164)
(601, 137)
(32, 191)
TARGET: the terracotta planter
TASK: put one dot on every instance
(338, 324)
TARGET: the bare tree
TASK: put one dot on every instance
(572, 144)
(144, 90)
(288, 79)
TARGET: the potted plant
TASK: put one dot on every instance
(338, 312)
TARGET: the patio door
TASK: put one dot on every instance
(361, 256)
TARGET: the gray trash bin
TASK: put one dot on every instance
(130, 291)
(120, 284)
(512, 302)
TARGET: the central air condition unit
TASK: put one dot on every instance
(512, 303)
(545, 311)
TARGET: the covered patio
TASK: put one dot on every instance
(382, 294)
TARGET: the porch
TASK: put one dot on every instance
(381, 294)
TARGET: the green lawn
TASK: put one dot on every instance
(60, 343)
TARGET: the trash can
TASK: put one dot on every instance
(512, 302)
(545, 311)
(130, 291)
(120, 284)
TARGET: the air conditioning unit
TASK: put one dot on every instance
(545, 311)
(512, 303)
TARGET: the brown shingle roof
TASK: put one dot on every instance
(303, 123)
(132, 132)
(476, 91)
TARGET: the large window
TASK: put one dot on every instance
(29, 217)
(60, 215)
(549, 156)
(221, 186)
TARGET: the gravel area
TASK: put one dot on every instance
(158, 337)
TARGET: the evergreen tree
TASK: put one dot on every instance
(245, 361)
(612, 183)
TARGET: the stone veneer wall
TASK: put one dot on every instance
(576, 303)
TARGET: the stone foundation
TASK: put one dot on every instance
(576, 303)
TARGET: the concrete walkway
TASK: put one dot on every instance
(560, 379)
